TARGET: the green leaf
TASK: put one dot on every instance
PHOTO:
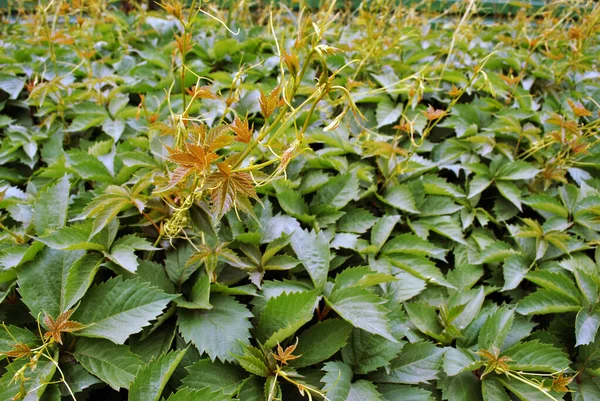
(78, 378)
(253, 361)
(312, 250)
(425, 318)
(525, 392)
(50, 207)
(434, 185)
(445, 226)
(496, 252)
(5, 121)
(495, 329)
(284, 315)
(462, 387)
(558, 282)
(220, 331)
(281, 262)
(586, 325)
(113, 128)
(367, 352)
(361, 276)
(402, 392)
(422, 268)
(114, 364)
(439, 206)
(215, 376)
(155, 274)
(71, 238)
(12, 85)
(458, 360)
(186, 394)
(493, 390)
(534, 356)
(119, 308)
(292, 202)
(337, 379)
(387, 112)
(418, 363)
(363, 390)
(14, 335)
(382, 230)
(83, 122)
(545, 301)
(546, 205)
(36, 380)
(150, 381)
(410, 244)
(274, 247)
(56, 280)
(510, 192)
(52, 393)
(587, 389)
(200, 295)
(516, 170)
(16, 255)
(321, 341)
(153, 345)
(176, 264)
(401, 197)
(124, 256)
(88, 167)
(515, 268)
(253, 389)
(105, 207)
(478, 184)
(357, 221)
(362, 309)
(337, 193)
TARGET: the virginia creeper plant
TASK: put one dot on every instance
(260, 203)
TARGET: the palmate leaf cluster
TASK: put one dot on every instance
(405, 208)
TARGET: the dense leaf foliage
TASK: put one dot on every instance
(267, 204)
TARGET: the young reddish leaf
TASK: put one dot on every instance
(62, 324)
(292, 62)
(285, 356)
(201, 92)
(434, 114)
(229, 189)
(578, 109)
(269, 103)
(194, 158)
(19, 350)
(243, 132)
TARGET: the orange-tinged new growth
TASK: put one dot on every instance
(494, 362)
(292, 63)
(62, 324)
(434, 114)
(19, 350)
(285, 356)
(193, 159)
(510, 79)
(230, 189)
(201, 92)
(561, 382)
(269, 103)
(184, 42)
(243, 132)
(454, 92)
(578, 109)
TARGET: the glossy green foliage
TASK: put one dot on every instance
(254, 205)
